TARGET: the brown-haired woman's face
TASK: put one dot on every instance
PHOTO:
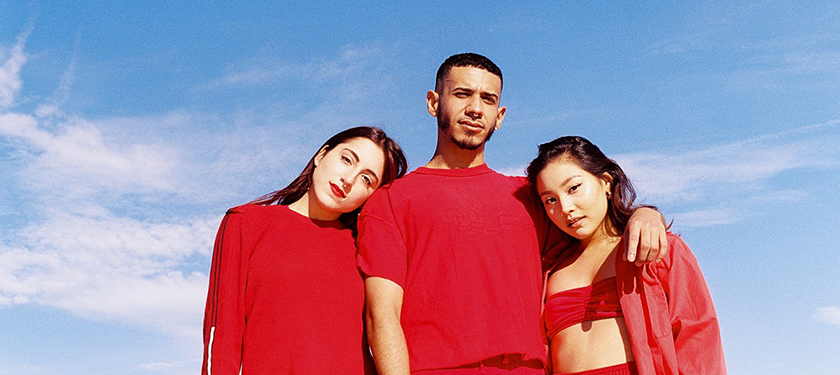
(574, 199)
(346, 176)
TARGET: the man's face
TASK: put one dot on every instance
(467, 106)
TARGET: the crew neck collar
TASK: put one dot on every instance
(321, 223)
(460, 172)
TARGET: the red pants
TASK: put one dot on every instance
(506, 364)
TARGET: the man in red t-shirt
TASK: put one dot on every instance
(451, 252)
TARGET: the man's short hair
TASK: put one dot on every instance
(466, 59)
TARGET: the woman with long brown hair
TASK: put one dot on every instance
(285, 296)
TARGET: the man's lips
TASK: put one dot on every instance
(337, 191)
(472, 125)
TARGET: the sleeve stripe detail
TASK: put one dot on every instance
(218, 260)
(210, 351)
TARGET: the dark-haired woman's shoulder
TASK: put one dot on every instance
(258, 215)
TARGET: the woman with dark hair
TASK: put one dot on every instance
(604, 316)
(285, 296)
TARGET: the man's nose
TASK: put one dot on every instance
(474, 108)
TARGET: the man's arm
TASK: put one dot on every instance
(646, 238)
(383, 301)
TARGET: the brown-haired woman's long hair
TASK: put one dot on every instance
(589, 157)
(394, 168)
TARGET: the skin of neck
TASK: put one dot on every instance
(449, 156)
(307, 206)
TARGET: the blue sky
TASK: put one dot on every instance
(127, 129)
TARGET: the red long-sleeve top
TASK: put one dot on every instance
(669, 314)
(285, 297)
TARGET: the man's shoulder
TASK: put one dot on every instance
(410, 181)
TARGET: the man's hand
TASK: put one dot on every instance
(645, 234)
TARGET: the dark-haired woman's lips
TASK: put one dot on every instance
(574, 222)
(337, 191)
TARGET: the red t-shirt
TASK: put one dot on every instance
(464, 245)
(285, 297)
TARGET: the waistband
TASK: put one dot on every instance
(622, 369)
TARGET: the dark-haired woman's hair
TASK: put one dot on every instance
(589, 157)
(394, 168)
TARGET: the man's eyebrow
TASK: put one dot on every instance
(490, 94)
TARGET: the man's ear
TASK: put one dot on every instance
(432, 101)
(500, 116)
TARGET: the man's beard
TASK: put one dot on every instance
(464, 144)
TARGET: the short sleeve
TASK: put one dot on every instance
(382, 248)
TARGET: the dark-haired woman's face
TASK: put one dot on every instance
(346, 176)
(575, 200)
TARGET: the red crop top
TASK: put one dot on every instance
(573, 306)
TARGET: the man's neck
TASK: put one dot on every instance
(456, 158)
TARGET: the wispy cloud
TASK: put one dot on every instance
(110, 267)
(15, 58)
(723, 183)
(104, 237)
(352, 61)
(77, 159)
(724, 171)
(100, 238)
(829, 315)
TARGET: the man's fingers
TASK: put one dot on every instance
(655, 249)
(663, 245)
(632, 243)
(644, 248)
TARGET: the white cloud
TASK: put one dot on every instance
(77, 161)
(829, 315)
(72, 249)
(103, 237)
(10, 82)
(723, 183)
(349, 63)
(729, 170)
(111, 267)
